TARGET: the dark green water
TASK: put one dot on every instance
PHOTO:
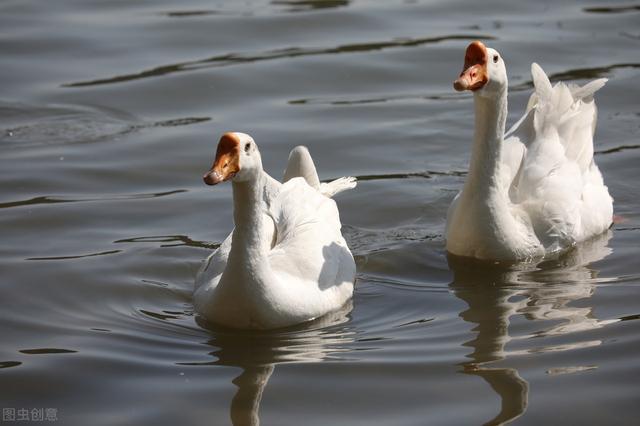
(109, 115)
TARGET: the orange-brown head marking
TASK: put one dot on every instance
(227, 162)
(475, 74)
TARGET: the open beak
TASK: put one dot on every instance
(475, 74)
(227, 162)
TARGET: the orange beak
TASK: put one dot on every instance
(475, 74)
(227, 162)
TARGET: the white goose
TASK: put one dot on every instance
(286, 261)
(536, 189)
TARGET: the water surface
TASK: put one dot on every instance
(109, 114)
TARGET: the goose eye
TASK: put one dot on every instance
(247, 146)
(495, 59)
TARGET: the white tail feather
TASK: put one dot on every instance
(565, 112)
(560, 104)
(300, 164)
(588, 89)
(541, 83)
(334, 187)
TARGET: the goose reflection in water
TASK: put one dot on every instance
(258, 352)
(542, 291)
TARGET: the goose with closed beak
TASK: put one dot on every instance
(286, 261)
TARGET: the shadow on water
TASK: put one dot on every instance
(258, 352)
(495, 293)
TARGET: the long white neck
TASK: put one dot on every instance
(483, 224)
(248, 209)
(490, 119)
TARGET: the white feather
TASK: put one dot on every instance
(300, 164)
(293, 265)
(551, 194)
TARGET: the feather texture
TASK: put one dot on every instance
(286, 261)
(551, 194)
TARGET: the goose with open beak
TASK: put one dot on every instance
(535, 190)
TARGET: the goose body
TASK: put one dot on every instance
(286, 261)
(535, 189)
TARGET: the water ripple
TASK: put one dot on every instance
(56, 200)
(308, 5)
(427, 174)
(178, 240)
(613, 9)
(43, 351)
(578, 74)
(81, 256)
(26, 125)
(617, 149)
(375, 100)
(570, 370)
(287, 53)
(9, 364)
(189, 13)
